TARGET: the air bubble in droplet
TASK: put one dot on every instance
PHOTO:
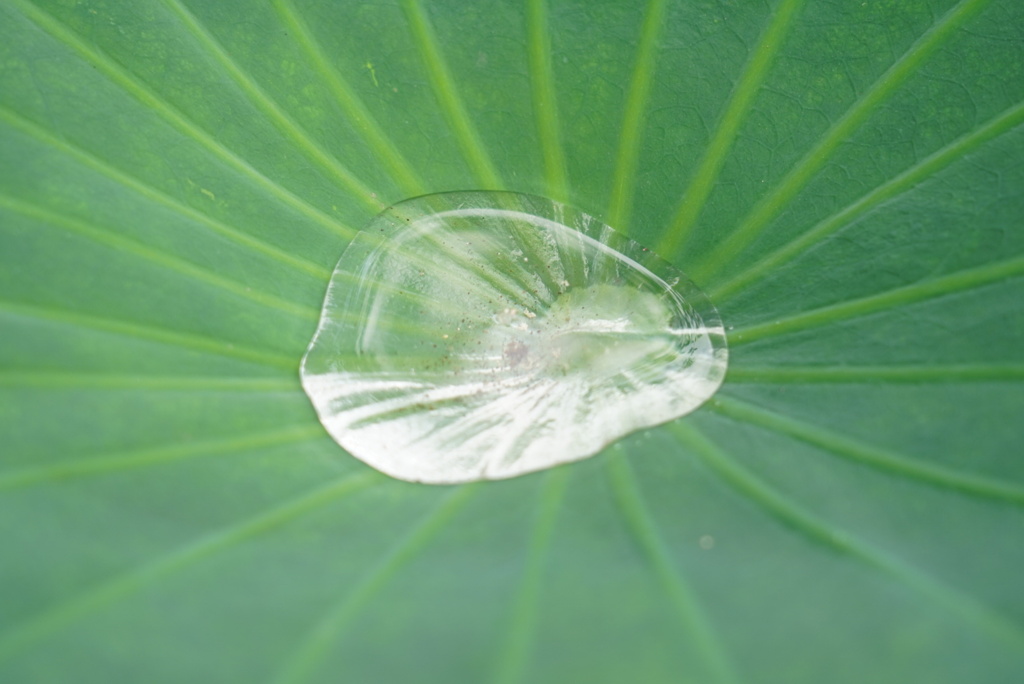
(483, 335)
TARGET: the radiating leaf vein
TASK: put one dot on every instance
(829, 536)
(149, 192)
(371, 131)
(805, 169)
(301, 666)
(163, 259)
(943, 373)
(515, 652)
(115, 463)
(46, 623)
(643, 529)
(145, 95)
(938, 476)
(285, 123)
(448, 96)
(130, 330)
(740, 104)
(910, 294)
(62, 380)
(906, 180)
(628, 154)
(545, 101)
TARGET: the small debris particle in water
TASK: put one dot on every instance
(560, 336)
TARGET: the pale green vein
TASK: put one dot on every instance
(284, 122)
(627, 157)
(447, 94)
(736, 112)
(345, 95)
(805, 169)
(146, 96)
(910, 294)
(926, 168)
(314, 648)
(116, 463)
(829, 536)
(36, 629)
(545, 101)
(154, 195)
(876, 374)
(47, 379)
(938, 476)
(638, 519)
(163, 259)
(173, 338)
(515, 652)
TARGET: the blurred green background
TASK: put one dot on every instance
(844, 178)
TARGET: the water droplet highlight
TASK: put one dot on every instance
(483, 335)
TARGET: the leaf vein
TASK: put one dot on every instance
(344, 94)
(116, 463)
(284, 122)
(645, 532)
(515, 651)
(627, 157)
(876, 374)
(137, 89)
(545, 102)
(909, 294)
(340, 615)
(447, 94)
(118, 242)
(52, 620)
(739, 106)
(801, 520)
(805, 169)
(43, 379)
(151, 193)
(853, 450)
(883, 193)
(174, 338)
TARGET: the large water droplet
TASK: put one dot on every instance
(482, 335)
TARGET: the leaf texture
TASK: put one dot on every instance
(178, 178)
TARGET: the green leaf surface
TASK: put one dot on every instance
(178, 178)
